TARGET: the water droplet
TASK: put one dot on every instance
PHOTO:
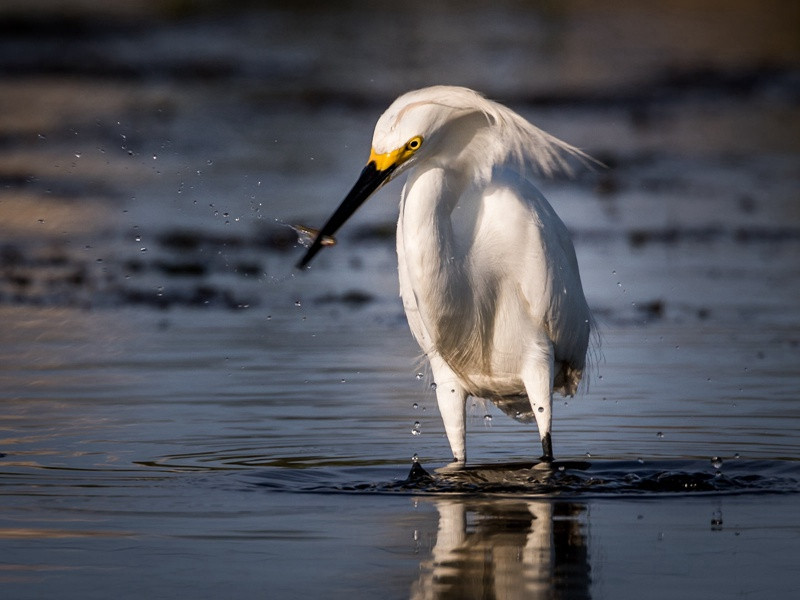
(415, 458)
(540, 409)
(420, 375)
(487, 418)
(415, 406)
(716, 520)
(660, 434)
(736, 455)
(716, 462)
(588, 455)
(142, 249)
(344, 381)
(433, 387)
(77, 155)
(640, 461)
(138, 238)
(561, 467)
(297, 303)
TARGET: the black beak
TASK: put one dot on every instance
(369, 181)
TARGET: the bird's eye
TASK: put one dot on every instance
(414, 143)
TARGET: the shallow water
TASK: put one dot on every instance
(183, 415)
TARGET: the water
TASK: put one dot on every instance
(184, 415)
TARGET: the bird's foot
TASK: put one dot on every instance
(456, 465)
(547, 448)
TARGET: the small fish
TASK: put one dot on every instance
(307, 235)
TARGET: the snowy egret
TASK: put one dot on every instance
(488, 274)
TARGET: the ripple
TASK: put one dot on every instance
(559, 479)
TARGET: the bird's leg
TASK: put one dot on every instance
(538, 379)
(452, 400)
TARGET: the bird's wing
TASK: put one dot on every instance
(568, 319)
(549, 279)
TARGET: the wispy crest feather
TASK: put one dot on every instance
(509, 138)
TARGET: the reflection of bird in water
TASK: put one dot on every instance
(488, 274)
(507, 549)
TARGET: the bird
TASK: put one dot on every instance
(488, 275)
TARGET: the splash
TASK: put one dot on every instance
(558, 479)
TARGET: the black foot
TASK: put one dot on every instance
(547, 448)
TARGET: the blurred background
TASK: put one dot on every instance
(135, 133)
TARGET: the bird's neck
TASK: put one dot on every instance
(431, 249)
(435, 261)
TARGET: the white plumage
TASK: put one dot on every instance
(488, 274)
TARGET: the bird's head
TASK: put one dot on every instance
(453, 126)
(410, 130)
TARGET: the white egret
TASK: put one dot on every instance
(488, 274)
